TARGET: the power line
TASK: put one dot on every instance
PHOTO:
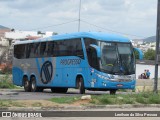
(86, 23)
(55, 25)
(110, 29)
(79, 20)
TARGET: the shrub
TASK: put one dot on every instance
(149, 54)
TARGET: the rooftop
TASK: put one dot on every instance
(94, 35)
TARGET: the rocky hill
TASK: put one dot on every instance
(150, 39)
(3, 27)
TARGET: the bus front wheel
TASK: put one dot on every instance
(81, 86)
(27, 85)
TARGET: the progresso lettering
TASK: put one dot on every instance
(70, 61)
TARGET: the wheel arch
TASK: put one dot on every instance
(77, 79)
(33, 75)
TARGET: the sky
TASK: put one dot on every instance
(135, 19)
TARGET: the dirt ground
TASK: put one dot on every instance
(45, 103)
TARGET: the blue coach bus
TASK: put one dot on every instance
(83, 60)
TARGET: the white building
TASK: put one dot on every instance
(4, 42)
(12, 36)
(21, 35)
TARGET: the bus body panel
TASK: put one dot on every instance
(62, 71)
(65, 70)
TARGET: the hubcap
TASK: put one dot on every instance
(26, 83)
(79, 84)
(33, 85)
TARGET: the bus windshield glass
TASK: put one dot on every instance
(117, 58)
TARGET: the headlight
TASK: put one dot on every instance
(133, 77)
(111, 76)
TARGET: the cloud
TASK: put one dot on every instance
(127, 16)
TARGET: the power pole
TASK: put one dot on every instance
(157, 49)
(79, 19)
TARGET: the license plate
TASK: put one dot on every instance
(119, 85)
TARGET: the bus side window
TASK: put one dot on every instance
(50, 48)
(19, 51)
(71, 47)
(63, 48)
(79, 49)
(43, 49)
(56, 49)
(36, 49)
(92, 58)
(27, 51)
(31, 47)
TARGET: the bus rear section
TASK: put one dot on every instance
(55, 64)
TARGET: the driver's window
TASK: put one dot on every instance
(92, 58)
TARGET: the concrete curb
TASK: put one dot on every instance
(9, 93)
(79, 107)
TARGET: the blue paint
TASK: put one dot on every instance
(50, 59)
(38, 65)
(94, 35)
(17, 74)
(140, 53)
(43, 60)
(98, 49)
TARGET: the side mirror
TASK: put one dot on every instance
(98, 50)
(140, 53)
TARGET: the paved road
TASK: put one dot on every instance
(46, 94)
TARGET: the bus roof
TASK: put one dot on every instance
(95, 35)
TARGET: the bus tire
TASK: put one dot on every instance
(81, 86)
(59, 90)
(33, 85)
(113, 92)
(27, 85)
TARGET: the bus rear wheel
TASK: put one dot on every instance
(33, 85)
(59, 90)
(27, 85)
(81, 86)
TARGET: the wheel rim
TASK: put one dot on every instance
(79, 84)
(33, 84)
(26, 84)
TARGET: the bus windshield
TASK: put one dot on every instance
(117, 58)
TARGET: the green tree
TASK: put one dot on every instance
(136, 54)
(149, 54)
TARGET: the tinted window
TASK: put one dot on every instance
(50, 49)
(32, 50)
(19, 51)
(43, 50)
(89, 41)
(91, 53)
(69, 48)
(36, 50)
